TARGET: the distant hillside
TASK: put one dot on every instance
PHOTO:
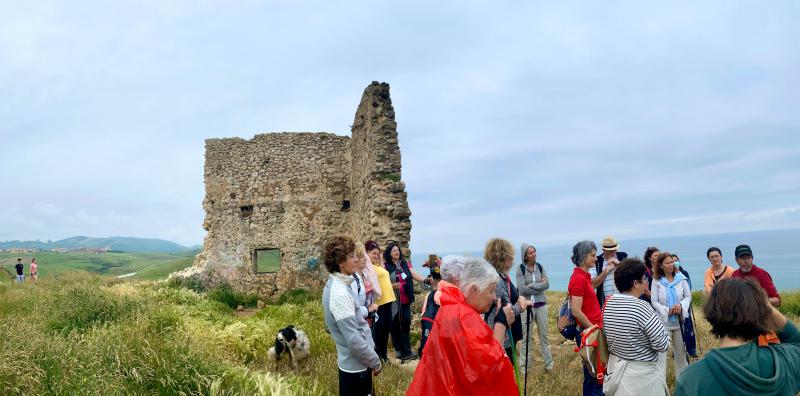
(122, 244)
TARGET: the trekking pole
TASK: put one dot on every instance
(697, 339)
(528, 315)
(514, 361)
(685, 350)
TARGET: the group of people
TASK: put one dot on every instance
(476, 323)
(20, 268)
(646, 308)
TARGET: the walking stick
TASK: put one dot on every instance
(685, 351)
(697, 339)
(528, 315)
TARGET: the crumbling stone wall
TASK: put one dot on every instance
(293, 191)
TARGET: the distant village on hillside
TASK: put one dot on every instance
(57, 250)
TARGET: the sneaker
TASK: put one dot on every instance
(411, 356)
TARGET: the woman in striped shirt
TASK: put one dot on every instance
(635, 337)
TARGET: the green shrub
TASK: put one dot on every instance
(790, 303)
(297, 297)
(82, 306)
(698, 298)
(189, 282)
(225, 294)
(390, 176)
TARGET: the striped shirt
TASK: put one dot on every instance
(633, 330)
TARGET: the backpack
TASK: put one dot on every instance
(426, 321)
(566, 323)
(522, 268)
(594, 351)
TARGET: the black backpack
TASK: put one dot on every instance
(426, 321)
(522, 268)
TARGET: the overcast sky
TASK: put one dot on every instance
(536, 121)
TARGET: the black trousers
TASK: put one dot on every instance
(355, 384)
(401, 330)
(381, 328)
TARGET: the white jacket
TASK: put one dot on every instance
(659, 300)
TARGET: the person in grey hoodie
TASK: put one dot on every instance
(532, 282)
(355, 348)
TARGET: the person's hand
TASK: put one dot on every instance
(373, 307)
(544, 279)
(676, 309)
(525, 304)
(378, 371)
(509, 314)
(396, 285)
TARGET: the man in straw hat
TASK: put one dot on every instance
(603, 272)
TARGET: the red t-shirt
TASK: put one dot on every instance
(763, 278)
(580, 285)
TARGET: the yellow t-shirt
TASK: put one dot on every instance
(387, 293)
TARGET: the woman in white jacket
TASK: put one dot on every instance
(671, 297)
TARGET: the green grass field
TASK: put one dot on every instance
(146, 266)
(86, 334)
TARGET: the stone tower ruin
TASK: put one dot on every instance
(280, 196)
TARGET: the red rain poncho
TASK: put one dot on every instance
(461, 356)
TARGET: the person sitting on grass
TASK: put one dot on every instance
(355, 349)
(462, 356)
(739, 311)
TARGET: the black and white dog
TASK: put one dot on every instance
(293, 342)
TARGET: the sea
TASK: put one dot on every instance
(776, 251)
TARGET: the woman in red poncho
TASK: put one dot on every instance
(462, 357)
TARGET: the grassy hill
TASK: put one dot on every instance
(144, 266)
(122, 244)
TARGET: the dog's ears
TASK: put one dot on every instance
(278, 347)
(290, 326)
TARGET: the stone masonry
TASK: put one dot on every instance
(293, 191)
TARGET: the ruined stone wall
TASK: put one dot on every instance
(293, 191)
(295, 184)
(380, 202)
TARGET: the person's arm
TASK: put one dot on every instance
(686, 300)
(708, 281)
(598, 280)
(786, 330)
(522, 286)
(543, 283)
(580, 317)
(655, 332)
(499, 333)
(417, 277)
(657, 305)
(772, 293)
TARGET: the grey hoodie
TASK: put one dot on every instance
(530, 285)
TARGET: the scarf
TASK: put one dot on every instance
(371, 277)
(672, 297)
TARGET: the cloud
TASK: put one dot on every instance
(534, 121)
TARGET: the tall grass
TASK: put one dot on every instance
(88, 335)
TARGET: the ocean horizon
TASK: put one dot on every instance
(776, 251)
